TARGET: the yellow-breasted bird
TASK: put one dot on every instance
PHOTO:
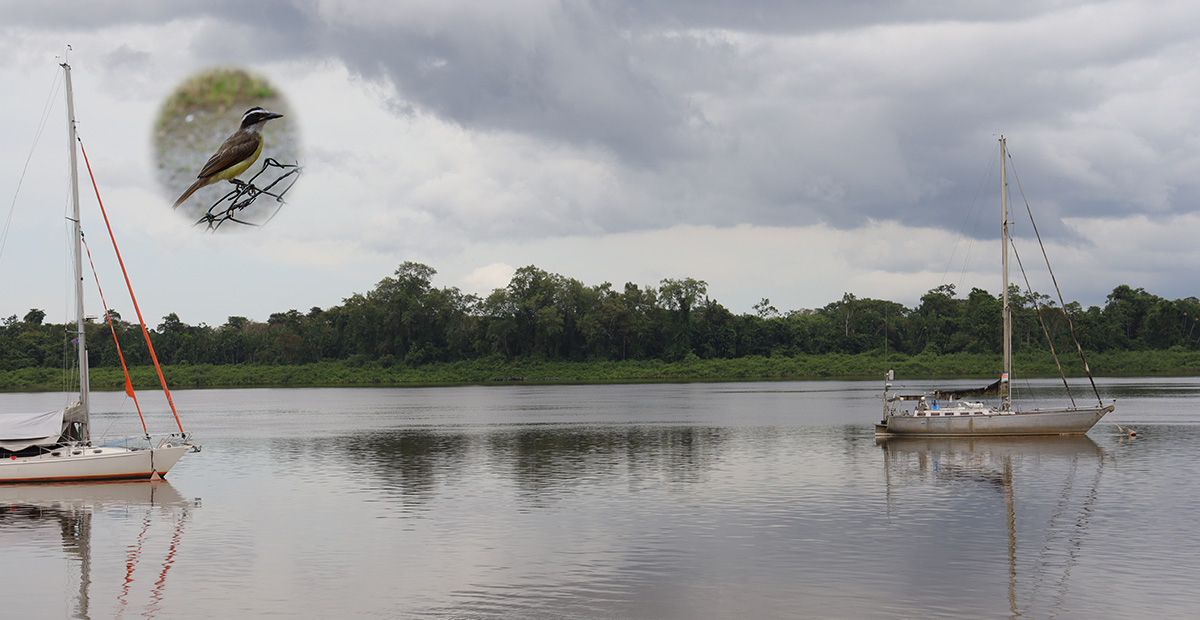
(236, 154)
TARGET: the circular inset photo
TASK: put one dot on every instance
(227, 148)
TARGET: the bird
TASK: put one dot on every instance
(236, 154)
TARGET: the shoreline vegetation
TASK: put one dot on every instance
(544, 328)
(498, 371)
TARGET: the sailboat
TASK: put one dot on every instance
(56, 446)
(947, 413)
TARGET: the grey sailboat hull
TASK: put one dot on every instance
(1066, 421)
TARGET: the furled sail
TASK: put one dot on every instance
(989, 390)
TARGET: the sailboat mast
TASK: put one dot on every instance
(81, 350)
(1006, 378)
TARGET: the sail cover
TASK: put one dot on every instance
(988, 390)
(21, 430)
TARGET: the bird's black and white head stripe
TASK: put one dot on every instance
(257, 115)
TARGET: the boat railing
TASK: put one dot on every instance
(142, 442)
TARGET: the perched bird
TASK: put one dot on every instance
(236, 154)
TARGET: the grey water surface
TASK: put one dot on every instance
(700, 500)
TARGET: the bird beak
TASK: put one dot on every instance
(273, 115)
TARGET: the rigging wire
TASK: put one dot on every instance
(54, 87)
(1070, 323)
(1042, 321)
(153, 356)
(112, 328)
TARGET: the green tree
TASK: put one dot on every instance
(680, 297)
(35, 316)
(1127, 308)
(936, 320)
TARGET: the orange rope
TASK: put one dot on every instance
(113, 329)
(162, 381)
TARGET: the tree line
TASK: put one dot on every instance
(405, 320)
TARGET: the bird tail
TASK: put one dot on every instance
(191, 190)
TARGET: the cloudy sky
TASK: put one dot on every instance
(790, 150)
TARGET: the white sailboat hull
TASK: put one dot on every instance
(80, 463)
(1066, 421)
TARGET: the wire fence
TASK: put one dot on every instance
(232, 206)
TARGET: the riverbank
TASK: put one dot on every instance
(496, 370)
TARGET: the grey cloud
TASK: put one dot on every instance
(845, 142)
(578, 81)
(768, 112)
(125, 57)
(810, 16)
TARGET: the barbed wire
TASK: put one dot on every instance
(245, 193)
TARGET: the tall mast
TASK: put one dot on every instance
(1005, 394)
(81, 351)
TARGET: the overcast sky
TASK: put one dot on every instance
(790, 150)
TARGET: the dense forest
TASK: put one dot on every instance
(405, 321)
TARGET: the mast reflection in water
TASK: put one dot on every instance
(51, 530)
(1044, 536)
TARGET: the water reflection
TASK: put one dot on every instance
(1047, 487)
(408, 466)
(541, 463)
(31, 515)
(548, 463)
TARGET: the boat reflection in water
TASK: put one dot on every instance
(149, 515)
(1034, 496)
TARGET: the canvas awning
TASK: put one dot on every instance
(22, 430)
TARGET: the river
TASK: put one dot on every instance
(663, 501)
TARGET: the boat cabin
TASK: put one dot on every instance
(930, 406)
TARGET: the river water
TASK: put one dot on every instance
(663, 501)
